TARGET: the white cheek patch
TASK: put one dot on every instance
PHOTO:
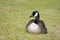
(36, 14)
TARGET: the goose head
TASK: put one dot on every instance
(36, 15)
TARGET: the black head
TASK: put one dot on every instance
(35, 14)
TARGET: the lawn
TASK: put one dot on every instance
(14, 15)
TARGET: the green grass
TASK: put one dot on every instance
(14, 15)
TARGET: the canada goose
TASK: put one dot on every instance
(36, 25)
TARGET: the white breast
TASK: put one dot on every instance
(34, 28)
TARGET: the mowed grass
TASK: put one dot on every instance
(14, 15)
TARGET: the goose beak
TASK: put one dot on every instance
(31, 16)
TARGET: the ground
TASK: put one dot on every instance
(14, 15)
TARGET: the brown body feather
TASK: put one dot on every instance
(41, 25)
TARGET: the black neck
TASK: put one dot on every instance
(37, 19)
